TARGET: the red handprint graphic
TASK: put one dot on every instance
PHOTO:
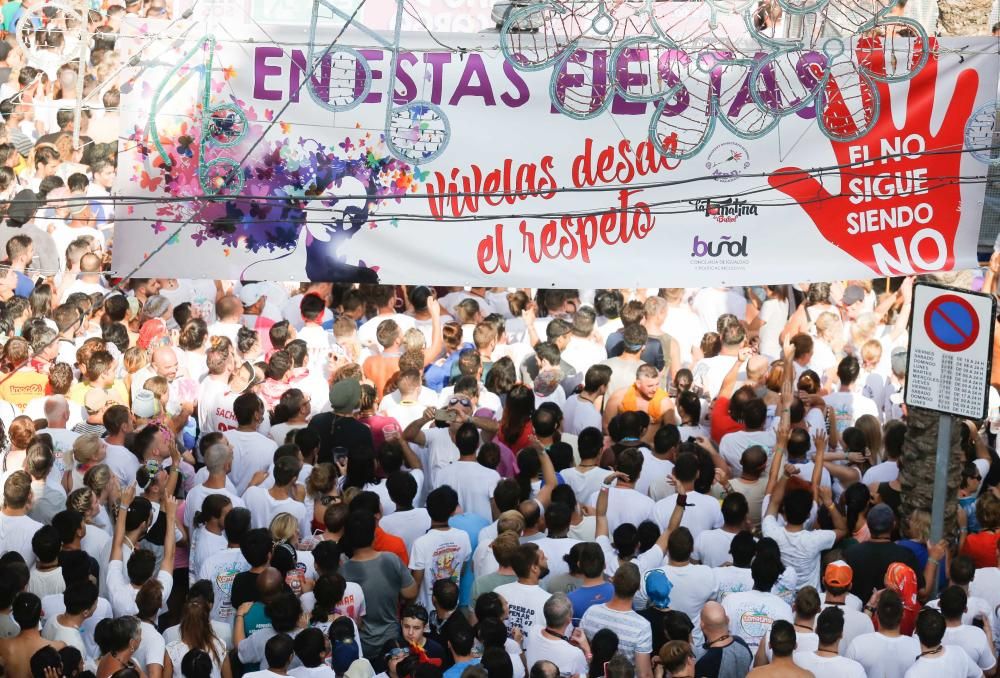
(896, 215)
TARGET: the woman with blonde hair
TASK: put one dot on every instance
(872, 430)
(20, 433)
(285, 531)
(104, 484)
(134, 359)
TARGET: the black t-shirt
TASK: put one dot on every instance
(244, 589)
(870, 560)
(336, 431)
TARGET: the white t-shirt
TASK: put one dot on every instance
(196, 497)
(881, 655)
(825, 665)
(986, 585)
(407, 525)
(53, 606)
(952, 662)
(441, 554)
(702, 512)
(885, 472)
(751, 614)
(625, 505)
(711, 547)
(525, 604)
(122, 463)
(856, 622)
(733, 445)
(653, 477)
(585, 484)
(177, 649)
(800, 550)
(694, 585)
(474, 484)
(252, 452)
(569, 658)
(263, 508)
(53, 630)
(151, 646)
(710, 373)
(579, 414)
(122, 593)
(221, 569)
(555, 549)
(973, 640)
(441, 451)
(15, 535)
(847, 407)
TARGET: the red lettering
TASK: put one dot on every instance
(491, 247)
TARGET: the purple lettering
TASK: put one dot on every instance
(474, 68)
(263, 70)
(437, 60)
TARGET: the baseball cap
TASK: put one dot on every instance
(880, 519)
(853, 294)
(95, 400)
(248, 368)
(903, 580)
(658, 588)
(839, 574)
(144, 404)
(345, 396)
(250, 294)
(22, 209)
(547, 382)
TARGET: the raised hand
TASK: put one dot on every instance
(916, 186)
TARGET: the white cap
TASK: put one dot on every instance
(250, 294)
(144, 404)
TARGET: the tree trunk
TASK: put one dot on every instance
(916, 473)
(964, 17)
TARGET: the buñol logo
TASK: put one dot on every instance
(728, 161)
(723, 210)
(726, 247)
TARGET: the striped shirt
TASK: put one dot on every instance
(635, 636)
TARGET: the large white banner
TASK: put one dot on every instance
(485, 170)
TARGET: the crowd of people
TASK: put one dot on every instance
(207, 478)
(203, 478)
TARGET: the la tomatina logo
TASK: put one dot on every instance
(723, 210)
(727, 246)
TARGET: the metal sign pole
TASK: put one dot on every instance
(940, 485)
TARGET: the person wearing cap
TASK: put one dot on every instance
(838, 578)
(869, 560)
(885, 652)
(340, 428)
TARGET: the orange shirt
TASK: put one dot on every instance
(391, 544)
(22, 387)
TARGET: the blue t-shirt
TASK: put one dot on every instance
(471, 524)
(456, 670)
(24, 285)
(585, 596)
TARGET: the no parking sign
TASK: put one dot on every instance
(951, 344)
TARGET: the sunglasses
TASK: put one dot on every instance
(397, 653)
(464, 402)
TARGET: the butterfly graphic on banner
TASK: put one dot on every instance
(222, 125)
(416, 132)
